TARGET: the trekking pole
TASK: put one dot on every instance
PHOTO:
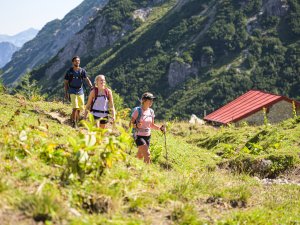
(165, 136)
(63, 94)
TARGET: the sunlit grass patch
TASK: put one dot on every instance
(198, 175)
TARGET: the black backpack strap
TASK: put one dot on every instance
(71, 74)
(81, 76)
(100, 111)
(139, 116)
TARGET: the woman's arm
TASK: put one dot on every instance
(89, 102)
(131, 123)
(111, 105)
(162, 128)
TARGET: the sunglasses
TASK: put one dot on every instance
(148, 98)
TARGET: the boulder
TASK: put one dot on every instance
(195, 120)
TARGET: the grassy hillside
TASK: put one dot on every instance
(195, 55)
(54, 174)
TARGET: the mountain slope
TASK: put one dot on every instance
(205, 53)
(195, 55)
(50, 40)
(7, 49)
(20, 38)
(107, 28)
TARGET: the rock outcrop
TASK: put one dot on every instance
(195, 120)
(179, 72)
(275, 7)
(141, 14)
(88, 43)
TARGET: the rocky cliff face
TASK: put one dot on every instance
(275, 7)
(87, 43)
(54, 35)
(179, 72)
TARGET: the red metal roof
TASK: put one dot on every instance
(245, 105)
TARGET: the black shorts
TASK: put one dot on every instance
(142, 140)
(103, 120)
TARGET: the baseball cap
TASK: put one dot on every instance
(148, 95)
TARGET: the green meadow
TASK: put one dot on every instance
(54, 174)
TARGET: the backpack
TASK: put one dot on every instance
(96, 96)
(137, 120)
(75, 83)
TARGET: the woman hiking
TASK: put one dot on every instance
(142, 120)
(100, 103)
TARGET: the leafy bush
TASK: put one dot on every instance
(29, 89)
(2, 88)
(156, 150)
(94, 151)
(282, 162)
(44, 205)
(268, 166)
(294, 16)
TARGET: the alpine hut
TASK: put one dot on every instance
(250, 106)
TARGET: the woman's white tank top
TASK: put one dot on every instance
(100, 107)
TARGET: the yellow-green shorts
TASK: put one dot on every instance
(77, 101)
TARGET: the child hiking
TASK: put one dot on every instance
(73, 85)
(100, 102)
(142, 121)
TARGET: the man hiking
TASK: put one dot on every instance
(142, 120)
(73, 85)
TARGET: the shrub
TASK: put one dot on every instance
(29, 89)
(94, 151)
(270, 166)
(2, 88)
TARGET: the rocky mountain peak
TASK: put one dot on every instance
(53, 36)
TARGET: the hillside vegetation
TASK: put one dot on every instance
(220, 50)
(54, 174)
(195, 55)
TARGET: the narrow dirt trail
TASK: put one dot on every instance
(62, 119)
(57, 116)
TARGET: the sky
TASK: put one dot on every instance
(19, 15)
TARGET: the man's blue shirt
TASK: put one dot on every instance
(75, 79)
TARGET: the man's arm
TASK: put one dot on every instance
(88, 81)
(66, 87)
